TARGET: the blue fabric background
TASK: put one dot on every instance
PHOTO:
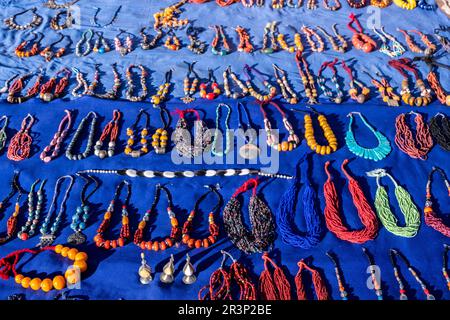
(113, 274)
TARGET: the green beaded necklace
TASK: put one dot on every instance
(228, 136)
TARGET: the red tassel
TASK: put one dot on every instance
(319, 285)
(276, 288)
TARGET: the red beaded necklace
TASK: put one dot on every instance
(431, 218)
(214, 86)
(17, 87)
(20, 146)
(276, 287)
(112, 130)
(46, 89)
(317, 280)
(404, 139)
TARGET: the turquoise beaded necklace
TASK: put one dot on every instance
(217, 131)
(34, 211)
(375, 154)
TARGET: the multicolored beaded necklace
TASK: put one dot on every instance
(90, 142)
(190, 86)
(226, 85)
(338, 97)
(112, 130)
(258, 96)
(58, 138)
(372, 268)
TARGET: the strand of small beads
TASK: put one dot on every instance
(175, 232)
(395, 253)
(215, 149)
(21, 52)
(131, 87)
(3, 135)
(263, 79)
(131, 136)
(147, 44)
(163, 91)
(219, 35)
(269, 37)
(86, 37)
(396, 50)
(286, 90)
(337, 272)
(17, 86)
(342, 47)
(64, 126)
(190, 86)
(35, 22)
(123, 49)
(361, 95)
(440, 130)
(430, 46)
(227, 88)
(360, 40)
(307, 78)
(48, 52)
(419, 147)
(82, 212)
(34, 211)
(195, 44)
(444, 265)
(20, 145)
(310, 34)
(81, 84)
(245, 44)
(111, 21)
(113, 93)
(101, 46)
(48, 236)
(90, 142)
(124, 235)
(204, 94)
(160, 138)
(338, 97)
(112, 130)
(385, 89)
(337, 5)
(46, 89)
(373, 274)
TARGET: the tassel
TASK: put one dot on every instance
(319, 285)
(276, 288)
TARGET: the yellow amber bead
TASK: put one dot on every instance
(46, 285)
(18, 278)
(35, 284)
(65, 251)
(25, 282)
(72, 253)
(81, 264)
(81, 256)
(58, 248)
(59, 282)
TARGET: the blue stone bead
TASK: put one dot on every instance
(85, 217)
(101, 50)
(82, 225)
(86, 208)
(79, 210)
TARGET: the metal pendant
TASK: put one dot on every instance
(168, 271)
(189, 271)
(46, 240)
(145, 271)
(77, 238)
(249, 151)
(403, 297)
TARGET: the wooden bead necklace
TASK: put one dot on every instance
(342, 292)
(3, 136)
(338, 97)
(101, 46)
(213, 228)
(131, 138)
(163, 90)
(86, 38)
(310, 34)
(51, 4)
(272, 139)
(34, 211)
(373, 274)
(48, 232)
(190, 86)
(112, 130)
(406, 204)
(226, 85)
(263, 79)
(440, 130)
(307, 78)
(249, 150)
(146, 43)
(215, 149)
(11, 223)
(430, 47)
(375, 154)
(123, 49)
(385, 89)
(182, 137)
(160, 138)
(48, 53)
(263, 233)
(90, 141)
(214, 86)
(67, 23)
(402, 66)
(46, 89)
(52, 150)
(21, 50)
(167, 17)
(337, 5)
(444, 265)
(317, 280)
(20, 145)
(269, 37)
(380, 3)
(195, 44)
(396, 50)
(219, 35)
(276, 286)
(131, 87)
(245, 44)
(35, 22)
(342, 47)
(355, 4)
(327, 133)
(431, 218)
(113, 93)
(286, 90)
(124, 235)
(360, 40)
(82, 212)
(395, 253)
(334, 220)
(406, 4)
(404, 139)
(71, 276)
(17, 86)
(361, 95)
(298, 45)
(172, 42)
(175, 233)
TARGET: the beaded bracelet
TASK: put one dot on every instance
(58, 138)
(310, 33)
(286, 90)
(175, 232)
(17, 86)
(361, 95)
(342, 47)
(226, 85)
(34, 211)
(404, 139)
(131, 87)
(131, 138)
(126, 48)
(124, 236)
(35, 22)
(46, 89)
(307, 78)
(195, 44)
(21, 51)
(77, 135)
(20, 145)
(338, 97)
(147, 44)
(112, 130)
(440, 130)
(214, 86)
(360, 40)
(163, 91)
(263, 79)
(219, 35)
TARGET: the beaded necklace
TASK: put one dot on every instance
(430, 47)
(245, 44)
(166, 18)
(277, 4)
(17, 86)
(272, 139)
(81, 84)
(263, 79)
(444, 41)
(406, 4)
(124, 235)
(46, 89)
(21, 51)
(5, 87)
(269, 36)
(163, 91)
(126, 48)
(249, 150)
(355, 4)
(132, 138)
(35, 22)
(380, 3)
(213, 228)
(431, 218)
(404, 137)
(263, 233)
(440, 130)
(51, 4)
(285, 215)
(332, 217)
(422, 4)
(373, 274)
(343, 45)
(11, 224)
(147, 44)
(286, 90)
(237, 81)
(131, 87)
(361, 95)
(433, 79)
(396, 50)
(68, 20)
(190, 86)
(327, 133)
(317, 280)
(175, 232)
(248, 3)
(160, 138)
(307, 78)
(407, 207)
(385, 89)
(214, 86)
(182, 136)
(337, 5)
(172, 42)
(219, 35)
(86, 37)
(375, 154)
(215, 150)
(101, 45)
(298, 45)
(112, 130)
(395, 253)
(113, 93)
(20, 145)
(48, 53)
(51, 151)
(195, 44)
(338, 97)
(82, 212)
(444, 265)
(406, 64)
(113, 18)
(49, 235)
(312, 5)
(360, 40)
(276, 286)
(3, 136)
(15, 188)
(34, 212)
(90, 142)
(342, 292)
(310, 34)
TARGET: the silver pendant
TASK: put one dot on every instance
(46, 240)
(77, 238)
(189, 271)
(145, 271)
(249, 151)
